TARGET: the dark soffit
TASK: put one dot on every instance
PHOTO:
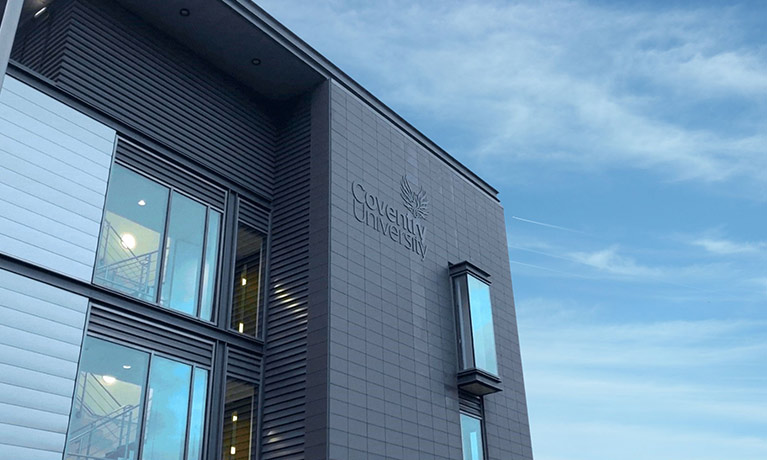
(231, 33)
(230, 42)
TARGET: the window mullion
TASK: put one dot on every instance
(200, 281)
(189, 412)
(164, 249)
(228, 260)
(144, 411)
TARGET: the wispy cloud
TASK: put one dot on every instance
(570, 83)
(610, 261)
(728, 247)
(691, 389)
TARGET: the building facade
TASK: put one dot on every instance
(216, 245)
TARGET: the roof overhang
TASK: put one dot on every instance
(230, 34)
(226, 38)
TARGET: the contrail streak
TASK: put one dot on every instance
(543, 224)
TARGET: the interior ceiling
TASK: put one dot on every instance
(230, 42)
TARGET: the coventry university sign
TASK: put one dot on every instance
(403, 226)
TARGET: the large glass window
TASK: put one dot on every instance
(482, 326)
(246, 301)
(475, 314)
(119, 390)
(128, 257)
(471, 438)
(158, 245)
(239, 420)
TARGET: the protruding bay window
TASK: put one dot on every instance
(478, 372)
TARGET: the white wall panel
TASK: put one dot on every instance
(41, 331)
(54, 167)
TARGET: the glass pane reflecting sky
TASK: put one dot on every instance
(482, 326)
(181, 277)
(211, 257)
(108, 396)
(128, 251)
(165, 431)
(471, 438)
(197, 417)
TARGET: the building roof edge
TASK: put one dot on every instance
(292, 42)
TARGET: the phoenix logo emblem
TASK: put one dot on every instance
(415, 202)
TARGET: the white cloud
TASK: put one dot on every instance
(728, 247)
(610, 261)
(565, 82)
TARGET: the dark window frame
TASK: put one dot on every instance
(137, 310)
(470, 378)
(152, 353)
(257, 216)
(263, 294)
(172, 170)
(482, 430)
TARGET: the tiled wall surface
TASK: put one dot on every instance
(393, 346)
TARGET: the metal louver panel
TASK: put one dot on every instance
(255, 216)
(107, 323)
(244, 365)
(470, 404)
(284, 407)
(161, 170)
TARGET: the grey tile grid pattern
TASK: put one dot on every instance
(393, 347)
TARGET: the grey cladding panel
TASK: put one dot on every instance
(39, 351)
(55, 165)
(393, 346)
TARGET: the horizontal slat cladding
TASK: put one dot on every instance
(470, 404)
(32, 44)
(284, 423)
(136, 74)
(41, 329)
(255, 216)
(244, 365)
(107, 323)
(54, 170)
(160, 169)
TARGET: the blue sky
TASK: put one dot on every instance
(629, 143)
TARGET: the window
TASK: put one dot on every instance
(476, 337)
(246, 300)
(131, 404)
(158, 245)
(471, 438)
(239, 420)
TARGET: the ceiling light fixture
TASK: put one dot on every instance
(256, 61)
(141, 203)
(128, 241)
(126, 366)
(41, 11)
(184, 12)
